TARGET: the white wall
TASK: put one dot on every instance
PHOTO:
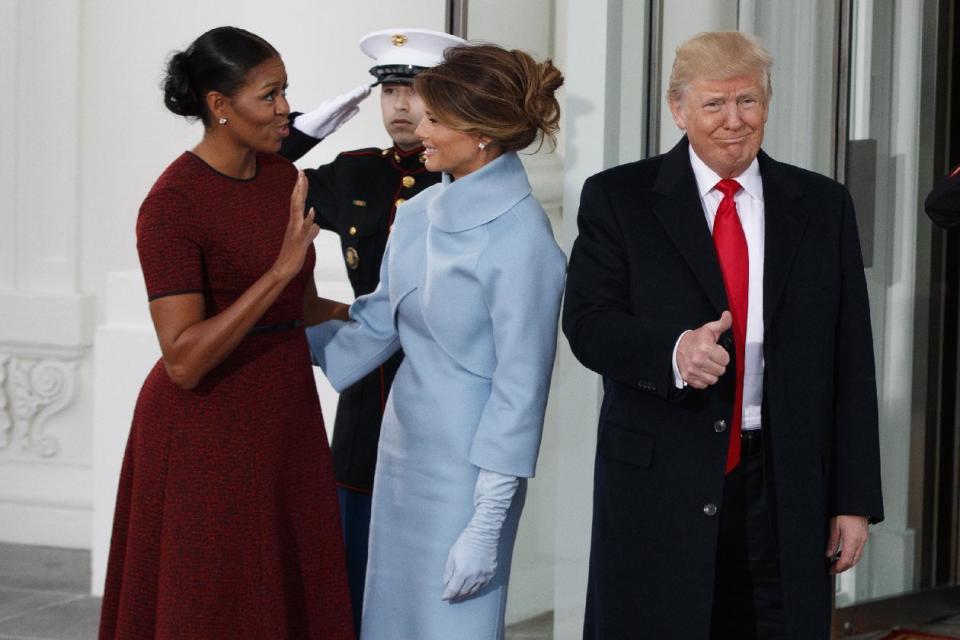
(128, 136)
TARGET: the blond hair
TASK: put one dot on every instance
(487, 90)
(719, 55)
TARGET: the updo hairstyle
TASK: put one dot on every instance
(216, 61)
(486, 90)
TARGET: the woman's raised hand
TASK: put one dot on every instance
(299, 235)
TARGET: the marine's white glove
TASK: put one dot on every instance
(333, 113)
(472, 560)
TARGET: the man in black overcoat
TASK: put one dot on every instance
(943, 203)
(357, 196)
(722, 297)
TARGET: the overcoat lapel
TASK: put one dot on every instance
(681, 214)
(785, 222)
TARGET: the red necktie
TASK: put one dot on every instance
(731, 245)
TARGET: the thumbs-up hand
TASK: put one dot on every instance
(700, 359)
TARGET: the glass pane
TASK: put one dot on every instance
(881, 173)
(801, 36)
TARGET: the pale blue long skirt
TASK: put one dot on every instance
(423, 498)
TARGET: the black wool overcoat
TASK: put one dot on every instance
(644, 269)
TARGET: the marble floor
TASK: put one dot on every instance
(44, 595)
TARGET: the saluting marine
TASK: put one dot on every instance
(357, 196)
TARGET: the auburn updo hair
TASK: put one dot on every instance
(487, 90)
(219, 60)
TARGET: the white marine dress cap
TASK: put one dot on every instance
(400, 54)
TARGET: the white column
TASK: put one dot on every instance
(592, 115)
(9, 50)
(45, 319)
(126, 350)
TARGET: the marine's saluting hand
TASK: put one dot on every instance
(700, 359)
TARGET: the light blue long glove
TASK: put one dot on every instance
(472, 560)
(332, 114)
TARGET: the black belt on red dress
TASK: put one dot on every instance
(279, 327)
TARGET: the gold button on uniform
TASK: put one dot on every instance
(399, 202)
(353, 231)
(409, 181)
(352, 258)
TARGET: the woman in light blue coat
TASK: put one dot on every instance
(470, 288)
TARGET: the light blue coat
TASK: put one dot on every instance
(470, 287)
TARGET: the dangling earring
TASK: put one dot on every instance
(482, 146)
(222, 121)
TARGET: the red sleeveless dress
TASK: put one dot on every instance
(226, 525)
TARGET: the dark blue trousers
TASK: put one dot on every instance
(355, 518)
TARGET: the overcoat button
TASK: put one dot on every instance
(353, 231)
(720, 426)
(409, 181)
(709, 509)
(399, 202)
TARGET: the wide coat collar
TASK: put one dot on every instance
(479, 197)
(681, 214)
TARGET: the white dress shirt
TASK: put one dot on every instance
(749, 202)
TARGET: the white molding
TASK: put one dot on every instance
(46, 320)
(45, 502)
(32, 390)
(38, 524)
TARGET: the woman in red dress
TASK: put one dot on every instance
(226, 524)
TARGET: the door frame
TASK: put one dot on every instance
(936, 383)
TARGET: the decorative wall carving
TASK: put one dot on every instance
(32, 390)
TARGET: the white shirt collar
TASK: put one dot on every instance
(707, 179)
